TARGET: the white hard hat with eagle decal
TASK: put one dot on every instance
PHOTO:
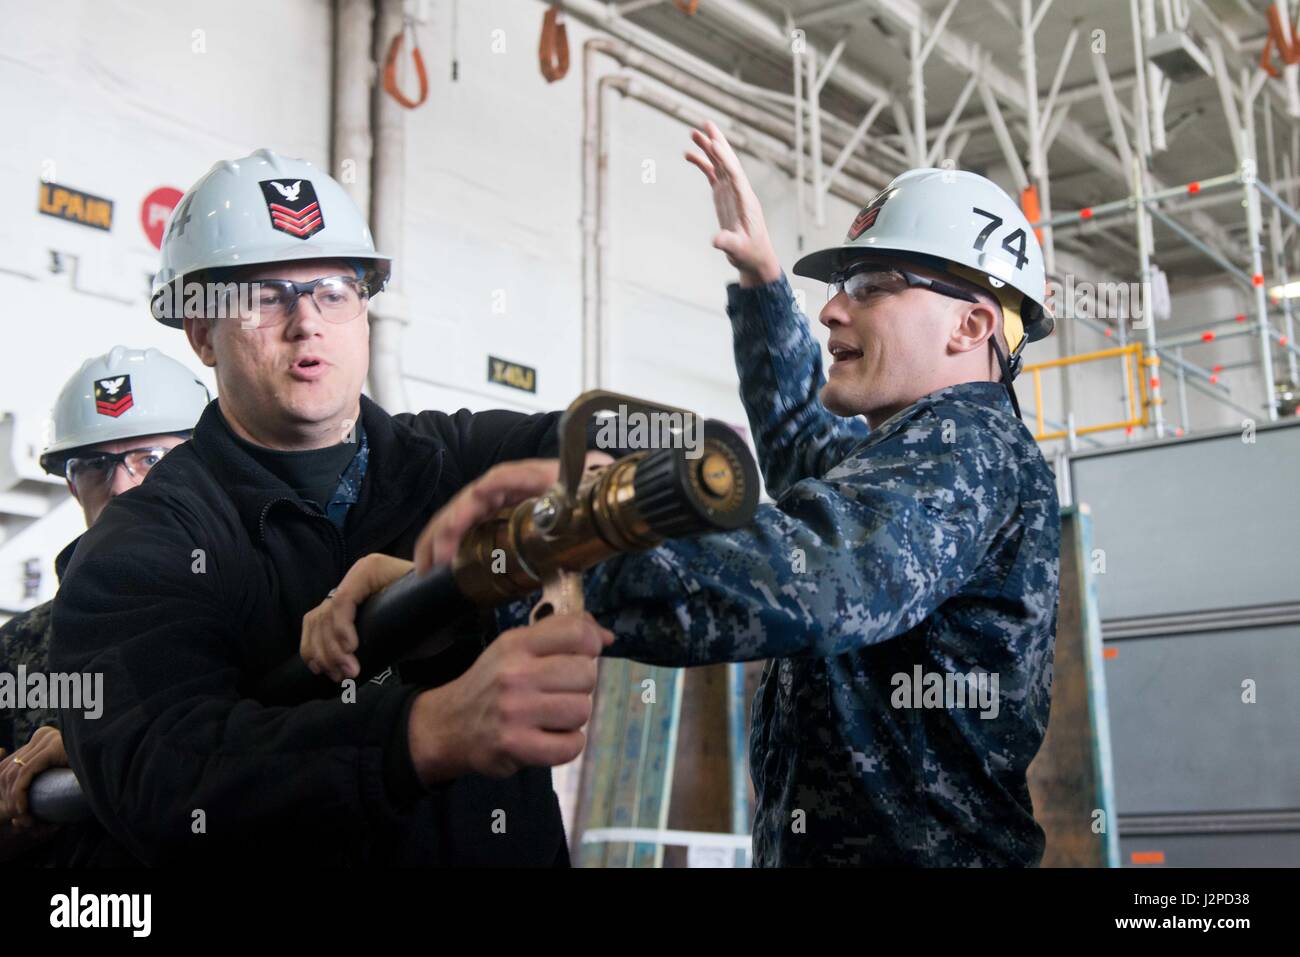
(958, 221)
(262, 208)
(123, 394)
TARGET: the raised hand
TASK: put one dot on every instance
(743, 235)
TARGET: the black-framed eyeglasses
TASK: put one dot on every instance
(865, 280)
(93, 473)
(340, 299)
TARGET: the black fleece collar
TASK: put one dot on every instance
(401, 478)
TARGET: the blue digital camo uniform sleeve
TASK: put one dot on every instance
(25, 641)
(348, 490)
(781, 377)
(931, 549)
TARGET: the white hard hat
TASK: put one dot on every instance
(123, 394)
(962, 223)
(263, 208)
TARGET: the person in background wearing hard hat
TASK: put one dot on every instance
(113, 422)
(188, 591)
(905, 582)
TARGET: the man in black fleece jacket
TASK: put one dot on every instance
(193, 585)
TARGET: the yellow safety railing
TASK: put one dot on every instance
(1135, 382)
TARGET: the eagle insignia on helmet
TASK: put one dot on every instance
(113, 396)
(293, 207)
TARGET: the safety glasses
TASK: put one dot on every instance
(864, 281)
(89, 474)
(340, 299)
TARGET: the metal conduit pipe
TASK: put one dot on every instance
(354, 76)
(390, 312)
(843, 186)
(353, 149)
(760, 117)
(595, 149)
(778, 104)
(595, 192)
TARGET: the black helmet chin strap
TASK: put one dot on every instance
(1009, 371)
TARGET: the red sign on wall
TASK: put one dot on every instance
(156, 210)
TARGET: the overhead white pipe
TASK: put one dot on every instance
(813, 86)
(354, 153)
(1276, 248)
(744, 141)
(837, 131)
(590, 248)
(759, 116)
(595, 189)
(354, 77)
(595, 152)
(390, 311)
(796, 71)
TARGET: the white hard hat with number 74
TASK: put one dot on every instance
(263, 208)
(960, 222)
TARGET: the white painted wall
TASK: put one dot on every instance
(494, 200)
(117, 98)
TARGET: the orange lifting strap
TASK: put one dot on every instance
(1277, 40)
(390, 68)
(1029, 204)
(687, 7)
(553, 51)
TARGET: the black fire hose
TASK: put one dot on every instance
(55, 797)
(388, 625)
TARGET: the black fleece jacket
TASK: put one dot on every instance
(193, 585)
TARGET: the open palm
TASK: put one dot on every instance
(743, 233)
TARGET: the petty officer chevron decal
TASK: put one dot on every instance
(113, 396)
(867, 218)
(293, 207)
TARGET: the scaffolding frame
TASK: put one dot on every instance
(1014, 105)
(1139, 404)
(1148, 200)
(1246, 181)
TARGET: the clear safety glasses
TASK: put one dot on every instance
(339, 298)
(94, 473)
(866, 280)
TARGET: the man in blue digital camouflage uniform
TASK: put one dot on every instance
(905, 581)
(922, 550)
